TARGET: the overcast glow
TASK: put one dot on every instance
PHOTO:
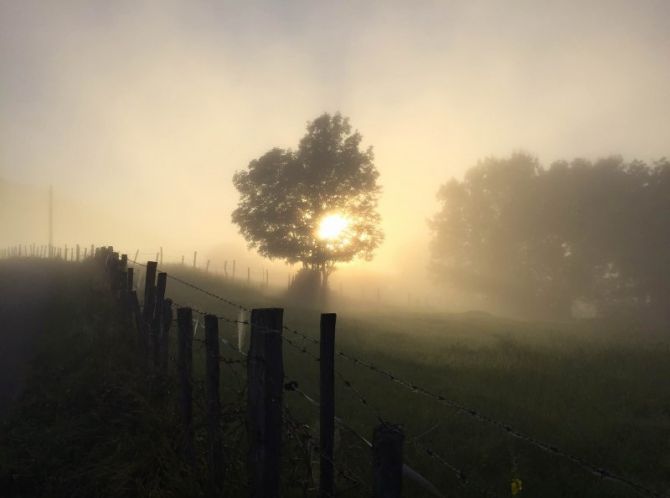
(140, 112)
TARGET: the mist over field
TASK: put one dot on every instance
(480, 191)
(139, 114)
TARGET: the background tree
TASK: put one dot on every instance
(536, 240)
(316, 205)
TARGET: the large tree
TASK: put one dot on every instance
(316, 205)
(537, 240)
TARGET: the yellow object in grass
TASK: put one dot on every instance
(516, 486)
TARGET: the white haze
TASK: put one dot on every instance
(138, 113)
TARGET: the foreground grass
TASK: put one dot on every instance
(595, 389)
(94, 422)
(87, 424)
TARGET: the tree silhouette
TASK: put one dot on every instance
(537, 240)
(316, 205)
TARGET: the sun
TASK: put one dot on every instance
(332, 226)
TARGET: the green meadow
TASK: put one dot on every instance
(93, 421)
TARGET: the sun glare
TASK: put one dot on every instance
(332, 226)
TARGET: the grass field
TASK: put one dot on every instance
(90, 423)
(594, 389)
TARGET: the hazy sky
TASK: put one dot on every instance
(144, 110)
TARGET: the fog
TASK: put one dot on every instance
(139, 113)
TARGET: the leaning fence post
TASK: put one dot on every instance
(149, 283)
(387, 462)
(184, 371)
(113, 269)
(157, 313)
(149, 293)
(215, 445)
(129, 288)
(327, 409)
(137, 314)
(166, 322)
(264, 403)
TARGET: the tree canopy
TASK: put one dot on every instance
(316, 205)
(537, 240)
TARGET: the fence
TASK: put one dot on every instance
(378, 293)
(266, 383)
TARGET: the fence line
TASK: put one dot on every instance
(596, 470)
(112, 264)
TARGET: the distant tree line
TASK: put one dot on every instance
(537, 240)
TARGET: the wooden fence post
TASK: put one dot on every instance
(185, 372)
(264, 403)
(129, 289)
(195, 258)
(327, 409)
(147, 312)
(157, 314)
(214, 440)
(387, 443)
(160, 261)
(137, 314)
(113, 269)
(248, 275)
(149, 285)
(166, 322)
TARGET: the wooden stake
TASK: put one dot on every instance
(265, 378)
(149, 293)
(327, 409)
(387, 442)
(185, 372)
(166, 322)
(214, 437)
(156, 331)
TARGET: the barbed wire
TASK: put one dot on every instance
(350, 475)
(461, 476)
(199, 289)
(596, 470)
(300, 349)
